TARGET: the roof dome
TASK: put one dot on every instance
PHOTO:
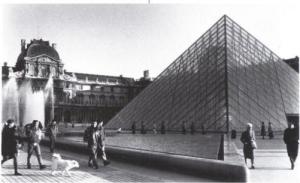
(40, 47)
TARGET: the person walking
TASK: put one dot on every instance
(91, 137)
(248, 139)
(154, 129)
(101, 143)
(193, 128)
(270, 131)
(143, 128)
(10, 144)
(203, 129)
(34, 136)
(183, 128)
(263, 130)
(163, 128)
(133, 127)
(291, 139)
(52, 131)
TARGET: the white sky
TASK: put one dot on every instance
(127, 39)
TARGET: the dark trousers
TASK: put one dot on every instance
(52, 144)
(37, 150)
(292, 149)
(15, 157)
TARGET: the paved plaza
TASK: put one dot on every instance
(271, 162)
(271, 165)
(115, 172)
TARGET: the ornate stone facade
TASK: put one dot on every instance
(40, 60)
(78, 97)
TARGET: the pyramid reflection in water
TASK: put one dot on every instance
(224, 80)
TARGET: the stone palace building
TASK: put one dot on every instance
(78, 97)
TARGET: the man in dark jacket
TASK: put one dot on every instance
(52, 132)
(91, 136)
(34, 136)
(101, 143)
(10, 141)
(291, 138)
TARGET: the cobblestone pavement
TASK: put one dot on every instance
(115, 172)
(36, 175)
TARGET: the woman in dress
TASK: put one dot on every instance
(248, 139)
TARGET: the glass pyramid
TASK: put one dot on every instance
(224, 80)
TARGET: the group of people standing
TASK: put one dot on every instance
(184, 128)
(290, 138)
(263, 131)
(13, 139)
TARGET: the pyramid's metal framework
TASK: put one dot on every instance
(224, 80)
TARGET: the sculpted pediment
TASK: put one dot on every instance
(41, 59)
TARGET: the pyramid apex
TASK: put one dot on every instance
(225, 17)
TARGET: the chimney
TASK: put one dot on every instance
(54, 45)
(23, 43)
(146, 74)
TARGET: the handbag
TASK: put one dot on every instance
(253, 144)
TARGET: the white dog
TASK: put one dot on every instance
(64, 165)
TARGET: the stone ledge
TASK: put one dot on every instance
(214, 169)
